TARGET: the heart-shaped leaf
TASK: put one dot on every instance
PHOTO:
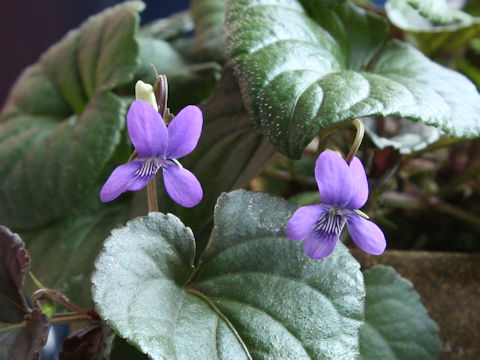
(397, 325)
(61, 124)
(253, 295)
(302, 69)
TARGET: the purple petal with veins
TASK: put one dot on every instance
(333, 179)
(122, 179)
(147, 130)
(318, 246)
(343, 188)
(158, 147)
(184, 131)
(301, 223)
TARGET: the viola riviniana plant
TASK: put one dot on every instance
(159, 146)
(343, 188)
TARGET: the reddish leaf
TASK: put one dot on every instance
(14, 262)
(88, 343)
(25, 343)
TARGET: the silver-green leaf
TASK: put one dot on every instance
(253, 295)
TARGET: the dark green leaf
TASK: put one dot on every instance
(397, 325)
(171, 28)
(162, 55)
(26, 342)
(122, 350)
(14, 263)
(60, 124)
(188, 84)
(254, 295)
(64, 251)
(230, 153)
(208, 16)
(304, 69)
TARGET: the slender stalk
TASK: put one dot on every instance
(13, 327)
(358, 139)
(55, 320)
(68, 318)
(152, 195)
(359, 126)
(325, 134)
(61, 298)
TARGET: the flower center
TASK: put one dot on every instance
(331, 222)
(149, 167)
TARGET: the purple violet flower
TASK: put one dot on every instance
(343, 189)
(159, 146)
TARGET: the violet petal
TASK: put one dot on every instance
(147, 130)
(366, 235)
(123, 178)
(319, 245)
(333, 179)
(359, 185)
(302, 221)
(184, 132)
(182, 186)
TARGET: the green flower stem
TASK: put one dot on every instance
(55, 320)
(68, 318)
(152, 195)
(358, 139)
(13, 327)
(61, 298)
(359, 126)
(325, 134)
